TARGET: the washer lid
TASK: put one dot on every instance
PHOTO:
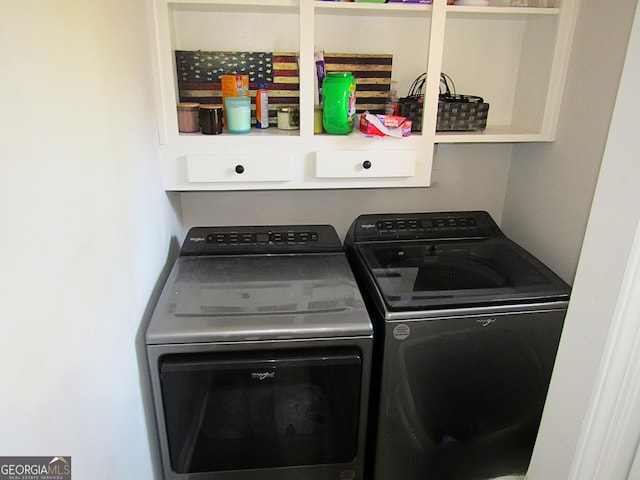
(258, 297)
(437, 274)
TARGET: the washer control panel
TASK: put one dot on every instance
(261, 239)
(444, 223)
(420, 226)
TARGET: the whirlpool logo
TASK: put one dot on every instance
(485, 322)
(262, 375)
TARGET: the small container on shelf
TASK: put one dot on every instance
(211, 119)
(391, 106)
(262, 106)
(238, 114)
(288, 118)
(317, 120)
(188, 117)
(339, 103)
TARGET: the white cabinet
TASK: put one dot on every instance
(514, 57)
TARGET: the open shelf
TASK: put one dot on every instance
(513, 57)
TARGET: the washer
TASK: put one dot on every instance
(466, 328)
(259, 353)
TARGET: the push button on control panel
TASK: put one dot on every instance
(423, 226)
(400, 224)
(262, 238)
(430, 224)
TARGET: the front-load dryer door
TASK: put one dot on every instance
(259, 410)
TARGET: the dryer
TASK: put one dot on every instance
(259, 352)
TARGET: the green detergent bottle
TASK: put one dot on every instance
(338, 103)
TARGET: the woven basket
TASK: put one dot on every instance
(411, 108)
(460, 113)
(457, 113)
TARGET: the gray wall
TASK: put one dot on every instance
(464, 177)
(550, 186)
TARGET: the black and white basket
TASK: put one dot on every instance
(461, 113)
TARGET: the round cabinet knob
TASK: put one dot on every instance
(239, 169)
(366, 164)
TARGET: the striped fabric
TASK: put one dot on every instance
(198, 74)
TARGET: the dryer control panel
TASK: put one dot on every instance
(261, 239)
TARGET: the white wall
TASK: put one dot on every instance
(86, 231)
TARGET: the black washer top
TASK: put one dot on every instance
(432, 261)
